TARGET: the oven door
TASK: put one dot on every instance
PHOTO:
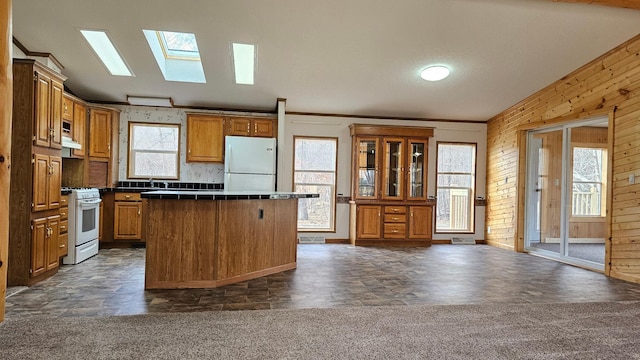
(87, 220)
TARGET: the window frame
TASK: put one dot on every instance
(130, 152)
(472, 212)
(603, 183)
(332, 229)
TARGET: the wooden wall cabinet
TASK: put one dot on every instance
(389, 177)
(258, 127)
(205, 138)
(48, 108)
(128, 217)
(99, 133)
(78, 132)
(47, 172)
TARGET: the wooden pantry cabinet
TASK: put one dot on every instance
(389, 178)
(35, 199)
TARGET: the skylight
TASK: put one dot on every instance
(106, 52)
(244, 56)
(177, 55)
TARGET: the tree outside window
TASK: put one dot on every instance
(589, 172)
(315, 172)
(153, 151)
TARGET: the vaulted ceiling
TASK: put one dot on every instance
(358, 57)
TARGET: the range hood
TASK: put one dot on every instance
(67, 142)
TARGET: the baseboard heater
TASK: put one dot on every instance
(311, 240)
(462, 241)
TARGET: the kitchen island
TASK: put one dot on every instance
(206, 239)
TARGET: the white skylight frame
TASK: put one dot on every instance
(244, 57)
(106, 51)
(177, 66)
(181, 54)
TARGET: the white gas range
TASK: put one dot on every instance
(84, 220)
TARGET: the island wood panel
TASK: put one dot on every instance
(285, 250)
(606, 84)
(245, 239)
(203, 243)
(180, 250)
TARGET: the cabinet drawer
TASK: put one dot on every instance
(64, 226)
(63, 250)
(395, 209)
(128, 197)
(395, 218)
(64, 213)
(393, 231)
(64, 200)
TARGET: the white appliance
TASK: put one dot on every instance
(249, 164)
(84, 219)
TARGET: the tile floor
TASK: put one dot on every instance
(331, 275)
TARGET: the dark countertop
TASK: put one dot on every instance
(224, 195)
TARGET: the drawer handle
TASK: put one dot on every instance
(127, 196)
(394, 218)
(62, 246)
(63, 227)
(394, 231)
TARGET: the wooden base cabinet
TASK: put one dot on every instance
(44, 244)
(391, 225)
(127, 217)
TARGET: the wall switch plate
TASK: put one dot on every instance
(488, 229)
(632, 179)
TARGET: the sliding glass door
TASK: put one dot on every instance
(565, 207)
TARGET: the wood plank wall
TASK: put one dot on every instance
(6, 103)
(609, 84)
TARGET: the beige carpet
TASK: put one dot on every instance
(515, 331)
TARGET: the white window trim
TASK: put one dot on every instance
(131, 153)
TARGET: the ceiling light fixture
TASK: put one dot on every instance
(244, 56)
(435, 73)
(106, 52)
(150, 101)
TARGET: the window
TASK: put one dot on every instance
(589, 172)
(177, 55)
(153, 151)
(456, 172)
(315, 172)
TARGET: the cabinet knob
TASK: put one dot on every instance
(61, 246)
(127, 196)
(63, 227)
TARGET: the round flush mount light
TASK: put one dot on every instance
(435, 73)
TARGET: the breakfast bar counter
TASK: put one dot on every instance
(205, 239)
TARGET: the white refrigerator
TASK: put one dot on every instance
(249, 164)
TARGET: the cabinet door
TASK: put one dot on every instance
(393, 172)
(100, 133)
(63, 243)
(54, 182)
(39, 235)
(367, 179)
(262, 128)
(205, 138)
(56, 115)
(79, 125)
(420, 222)
(239, 127)
(52, 243)
(417, 169)
(41, 171)
(42, 131)
(368, 222)
(127, 220)
(67, 109)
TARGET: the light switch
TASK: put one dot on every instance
(632, 179)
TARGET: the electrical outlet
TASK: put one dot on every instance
(488, 229)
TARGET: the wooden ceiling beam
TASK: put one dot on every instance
(628, 4)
